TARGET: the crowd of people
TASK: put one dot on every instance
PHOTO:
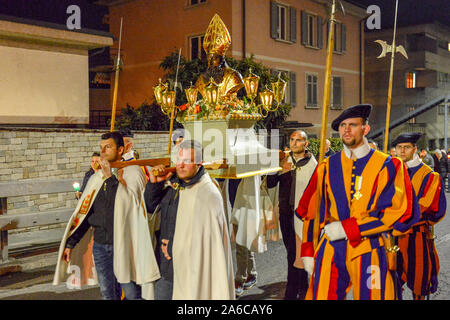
(361, 220)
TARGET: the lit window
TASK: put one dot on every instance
(410, 80)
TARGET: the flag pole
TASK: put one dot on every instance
(116, 81)
(325, 107)
(172, 114)
(391, 76)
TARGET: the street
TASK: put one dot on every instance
(271, 266)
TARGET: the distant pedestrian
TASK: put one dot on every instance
(93, 169)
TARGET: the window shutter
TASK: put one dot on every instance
(293, 85)
(344, 38)
(293, 24)
(273, 20)
(319, 33)
(304, 28)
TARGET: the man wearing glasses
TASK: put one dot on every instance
(418, 261)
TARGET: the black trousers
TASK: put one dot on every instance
(297, 279)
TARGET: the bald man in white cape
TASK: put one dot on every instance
(134, 259)
(200, 251)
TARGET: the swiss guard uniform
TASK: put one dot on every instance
(365, 193)
(418, 261)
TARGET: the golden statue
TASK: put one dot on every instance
(216, 42)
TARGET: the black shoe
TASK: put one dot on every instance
(249, 282)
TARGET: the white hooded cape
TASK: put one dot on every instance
(254, 214)
(201, 252)
(134, 258)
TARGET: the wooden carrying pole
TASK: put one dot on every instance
(116, 81)
(325, 107)
(173, 111)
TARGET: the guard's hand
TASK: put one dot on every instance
(78, 194)
(308, 262)
(164, 248)
(161, 175)
(335, 231)
(66, 254)
(106, 168)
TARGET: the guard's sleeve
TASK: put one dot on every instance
(432, 201)
(306, 209)
(391, 205)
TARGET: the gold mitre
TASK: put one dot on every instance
(217, 38)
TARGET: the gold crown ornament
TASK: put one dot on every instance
(217, 38)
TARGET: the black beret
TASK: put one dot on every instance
(126, 133)
(358, 111)
(407, 137)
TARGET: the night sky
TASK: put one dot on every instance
(54, 11)
(410, 11)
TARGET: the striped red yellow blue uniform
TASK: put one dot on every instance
(418, 261)
(386, 203)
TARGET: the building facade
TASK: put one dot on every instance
(423, 77)
(288, 36)
(45, 62)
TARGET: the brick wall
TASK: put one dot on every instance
(52, 154)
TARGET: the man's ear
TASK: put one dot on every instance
(366, 129)
(306, 143)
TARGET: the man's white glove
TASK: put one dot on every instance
(335, 231)
(308, 262)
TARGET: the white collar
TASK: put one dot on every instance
(359, 152)
(128, 156)
(414, 162)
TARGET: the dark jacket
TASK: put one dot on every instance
(100, 216)
(286, 194)
(443, 165)
(168, 199)
(87, 175)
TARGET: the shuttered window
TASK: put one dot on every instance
(290, 96)
(311, 90)
(340, 37)
(336, 93)
(283, 22)
(312, 35)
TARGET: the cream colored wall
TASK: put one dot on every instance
(43, 86)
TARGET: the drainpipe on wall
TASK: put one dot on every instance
(243, 29)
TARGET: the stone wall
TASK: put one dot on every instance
(52, 154)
